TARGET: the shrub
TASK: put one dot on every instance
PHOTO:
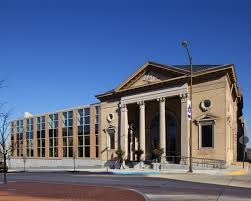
(138, 154)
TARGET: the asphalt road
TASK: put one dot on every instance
(181, 187)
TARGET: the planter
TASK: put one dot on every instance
(156, 166)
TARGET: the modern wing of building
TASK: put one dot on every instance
(148, 110)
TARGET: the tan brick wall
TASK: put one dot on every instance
(35, 136)
(216, 92)
(107, 108)
(60, 137)
(46, 137)
(24, 139)
(75, 133)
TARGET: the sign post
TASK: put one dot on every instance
(189, 110)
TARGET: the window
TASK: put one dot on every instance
(206, 125)
(84, 132)
(19, 138)
(112, 141)
(67, 132)
(41, 136)
(97, 130)
(111, 137)
(12, 138)
(29, 137)
(206, 134)
(53, 135)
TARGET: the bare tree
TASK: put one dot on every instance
(6, 147)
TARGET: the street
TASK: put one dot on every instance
(184, 187)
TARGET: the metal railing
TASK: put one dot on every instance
(200, 162)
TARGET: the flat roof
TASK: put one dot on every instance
(57, 111)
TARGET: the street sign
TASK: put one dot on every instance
(189, 110)
(243, 140)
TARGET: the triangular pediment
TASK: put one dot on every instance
(206, 117)
(150, 73)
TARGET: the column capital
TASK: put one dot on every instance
(122, 105)
(183, 97)
(161, 99)
(141, 103)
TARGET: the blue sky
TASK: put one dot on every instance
(59, 54)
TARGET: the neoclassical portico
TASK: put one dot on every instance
(150, 111)
(142, 99)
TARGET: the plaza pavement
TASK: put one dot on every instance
(37, 191)
(155, 187)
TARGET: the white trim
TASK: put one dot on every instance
(155, 94)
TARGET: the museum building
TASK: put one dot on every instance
(149, 110)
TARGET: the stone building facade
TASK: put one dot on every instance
(154, 101)
(148, 110)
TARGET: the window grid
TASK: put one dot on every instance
(97, 131)
(19, 138)
(29, 137)
(67, 132)
(12, 138)
(53, 135)
(84, 133)
(41, 136)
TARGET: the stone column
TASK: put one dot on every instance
(184, 124)
(124, 129)
(162, 124)
(131, 144)
(142, 130)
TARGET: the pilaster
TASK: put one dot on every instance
(184, 126)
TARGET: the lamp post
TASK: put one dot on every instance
(185, 45)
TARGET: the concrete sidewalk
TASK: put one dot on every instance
(176, 169)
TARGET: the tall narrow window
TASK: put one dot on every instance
(41, 136)
(53, 135)
(19, 138)
(206, 125)
(87, 132)
(80, 133)
(67, 131)
(207, 135)
(12, 138)
(84, 132)
(29, 137)
(97, 130)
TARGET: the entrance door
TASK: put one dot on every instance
(171, 134)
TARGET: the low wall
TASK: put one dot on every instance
(53, 163)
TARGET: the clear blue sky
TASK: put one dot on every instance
(59, 54)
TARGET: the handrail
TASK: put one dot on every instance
(197, 161)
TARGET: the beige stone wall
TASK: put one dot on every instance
(108, 108)
(231, 122)
(224, 108)
(216, 92)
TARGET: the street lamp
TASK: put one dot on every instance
(185, 45)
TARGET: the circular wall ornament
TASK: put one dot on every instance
(206, 104)
(109, 117)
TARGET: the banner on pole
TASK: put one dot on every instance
(189, 110)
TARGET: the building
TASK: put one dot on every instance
(60, 139)
(148, 110)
